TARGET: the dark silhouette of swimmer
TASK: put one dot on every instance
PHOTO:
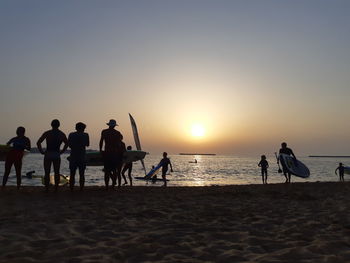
(165, 162)
(15, 155)
(264, 165)
(287, 151)
(127, 167)
(341, 169)
(78, 141)
(112, 154)
(52, 154)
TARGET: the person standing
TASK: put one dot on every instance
(77, 142)
(112, 153)
(341, 170)
(285, 150)
(15, 155)
(52, 155)
(165, 162)
(127, 167)
(264, 165)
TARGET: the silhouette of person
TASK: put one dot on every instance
(113, 153)
(341, 169)
(127, 167)
(287, 151)
(264, 165)
(165, 162)
(15, 155)
(52, 155)
(78, 141)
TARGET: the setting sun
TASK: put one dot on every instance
(197, 130)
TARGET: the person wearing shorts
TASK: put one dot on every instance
(77, 142)
(165, 162)
(52, 155)
(127, 167)
(112, 154)
(15, 155)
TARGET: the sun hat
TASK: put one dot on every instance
(112, 123)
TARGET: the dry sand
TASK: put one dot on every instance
(301, 222)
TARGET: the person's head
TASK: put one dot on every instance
(55, 124)
(165, 154)
(263, 157)
(284, 145)
(112, 123)
(340, 164)
(80, 126)
(129, 148)
(20, 131)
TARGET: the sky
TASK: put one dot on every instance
(250, 74)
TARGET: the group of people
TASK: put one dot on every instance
(286, 150)
(111, 146)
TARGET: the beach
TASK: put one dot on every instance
(299, 222)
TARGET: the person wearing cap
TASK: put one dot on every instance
(78, 141)
(52, 155)
(112, 153)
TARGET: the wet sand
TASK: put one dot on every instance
(301, 222)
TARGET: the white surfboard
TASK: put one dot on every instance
(294, 166)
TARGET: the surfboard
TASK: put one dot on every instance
(294, 166)
(153, 172)
(149, 179)
(96, 159)
(346, 170)
(64, 179)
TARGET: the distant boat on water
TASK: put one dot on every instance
(197, 153)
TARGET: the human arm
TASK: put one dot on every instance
(28, 144)
(10, 141)
(171, 167)
(336, 170)
(39, 142)
(87, 140)
(101, 142)
(65, 141)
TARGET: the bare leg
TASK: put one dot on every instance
(81, 177)
(129, 175)
(8, 166)
(47, 168)
(72, 179)
(107, 175)
(18, 167)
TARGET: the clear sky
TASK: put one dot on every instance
(249, 74)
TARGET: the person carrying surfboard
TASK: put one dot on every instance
(341, 170)
(78, 141)
(15, 155)
(165, 162)
(112, 153)
(288, 151)
(52, 155)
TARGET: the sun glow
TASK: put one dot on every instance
(197, 130)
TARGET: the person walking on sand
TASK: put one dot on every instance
(112, 153)
(127, 167)
(341, 170)
(287, 151)
(264, 165)
(77, 142)
(165, 162)
(15, 155)
(52, 155)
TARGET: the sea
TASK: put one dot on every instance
(208, 171)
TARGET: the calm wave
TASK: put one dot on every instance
(210, 170)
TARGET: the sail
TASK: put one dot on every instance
(136, 138)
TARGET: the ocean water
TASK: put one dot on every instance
(210, 170)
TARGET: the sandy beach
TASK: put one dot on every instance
(301, 222)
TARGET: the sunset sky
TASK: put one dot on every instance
(245, 75)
